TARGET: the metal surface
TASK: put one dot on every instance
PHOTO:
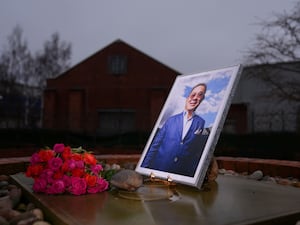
(229, 200)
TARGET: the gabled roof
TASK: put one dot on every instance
(119, 41)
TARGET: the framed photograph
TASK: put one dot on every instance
(184, 137)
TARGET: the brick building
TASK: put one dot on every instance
(118, 89)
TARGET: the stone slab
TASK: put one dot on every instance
(271, 167)
(228, 201)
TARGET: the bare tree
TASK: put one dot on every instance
(15, 63)
(23, 75)
(52, 60)
(15, 60)
(277, 51)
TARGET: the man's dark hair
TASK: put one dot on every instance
(200, 84)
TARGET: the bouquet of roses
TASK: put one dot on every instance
(66, 170)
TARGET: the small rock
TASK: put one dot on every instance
(127, 179)
(244, 174)
(5, 203)
(212, 172)
(41, 223)
(107, 166)
(269, 179)
(284, 181)
(4, 177)
(230, 173)
(3, 221)
(22, 207)
(12, 186)
(296, 184)
(38, 213)
(11, 214)
(15, 196)
(24, 218)
(30, 206)
(115, 167)
(3, 192)
(129, 165)
(222, 171)
(3, 184)
(256, 175)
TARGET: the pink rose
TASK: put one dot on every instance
(39, 185)
(100, 186)
(93, 190)
(55, 163)
(47, 174)
(79, 164)
(68, 165)
(71, 164)
(35, 158)
(57, 187)
(96, 169)
(78, 186)
(64, 170)
(59, 148)
(67, 180)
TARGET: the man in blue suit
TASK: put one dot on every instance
(178, 145)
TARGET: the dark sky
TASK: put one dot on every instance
(189, 36)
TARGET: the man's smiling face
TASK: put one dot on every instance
(195, 98)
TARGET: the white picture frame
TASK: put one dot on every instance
(213, 109)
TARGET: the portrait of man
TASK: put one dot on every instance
(178, 145)
(183, 139)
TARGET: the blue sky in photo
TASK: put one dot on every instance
(218, 84)
(215, 86)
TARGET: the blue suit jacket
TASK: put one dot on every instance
(169, 153)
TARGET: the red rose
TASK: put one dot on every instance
(67, 153)
(58, 175)
(91, 180)
(34, 170)
(46, 155)
(76, 156)
(64, 169)
(90, 159)
(77, 172)
(100, 186)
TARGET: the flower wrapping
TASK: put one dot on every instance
(66, 170)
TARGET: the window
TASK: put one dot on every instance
(117, 64)
(116, 121)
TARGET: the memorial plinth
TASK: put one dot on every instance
(229, 200)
